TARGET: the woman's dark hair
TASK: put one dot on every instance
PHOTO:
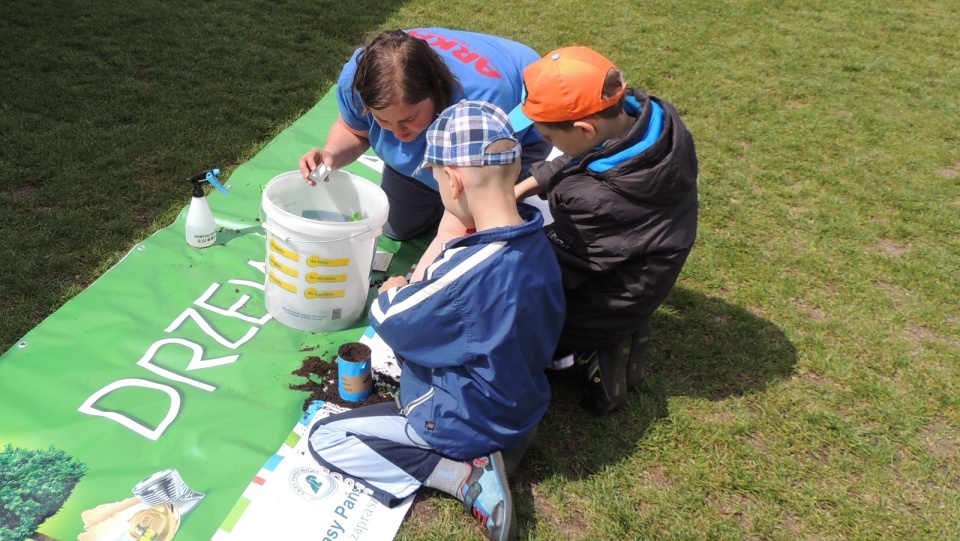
(395, 68)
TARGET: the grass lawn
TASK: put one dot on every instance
(805, 372)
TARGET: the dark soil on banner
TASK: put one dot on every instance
(321, 376)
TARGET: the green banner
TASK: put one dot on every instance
(170, 361)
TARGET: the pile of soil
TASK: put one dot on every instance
(321, 382)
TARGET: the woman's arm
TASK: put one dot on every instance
(344, 145)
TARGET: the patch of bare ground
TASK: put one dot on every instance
(656, 477)
(818, 381)
(739, 508)
(573, 527)
(811, 312)
(794, 527)
(424, 509)
(143, 219)
(758, 443)
(719, 418)
(941, 439)
(895, 292)
(796, 212)
(951, 172)
(892, 248)
(757, 311)
(920, 334)
(23, 193)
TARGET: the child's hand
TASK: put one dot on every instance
(526, 188)
(393, 281)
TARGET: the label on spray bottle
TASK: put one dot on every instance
(201, 227)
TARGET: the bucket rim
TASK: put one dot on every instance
(285, 219)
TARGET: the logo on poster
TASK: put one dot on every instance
(312, 484)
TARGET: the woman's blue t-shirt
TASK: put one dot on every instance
(489, 68)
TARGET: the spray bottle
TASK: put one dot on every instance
(201, 227)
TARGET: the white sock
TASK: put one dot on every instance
(562, 363)
(449, 476)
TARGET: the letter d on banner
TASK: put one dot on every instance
(146, 432)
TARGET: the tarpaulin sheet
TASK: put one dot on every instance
(170, 360)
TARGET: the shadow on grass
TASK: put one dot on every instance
(701, 347)
(109, 106)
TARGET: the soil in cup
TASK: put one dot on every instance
(354, 352)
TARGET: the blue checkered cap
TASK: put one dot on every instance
(461, 134)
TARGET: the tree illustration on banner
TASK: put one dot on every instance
(34, 485)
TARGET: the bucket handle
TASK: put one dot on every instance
(277, 234)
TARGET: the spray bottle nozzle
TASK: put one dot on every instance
(210, 176)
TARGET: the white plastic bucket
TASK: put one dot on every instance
(320, 246)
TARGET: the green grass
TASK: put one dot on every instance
(805, 373)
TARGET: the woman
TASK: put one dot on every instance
(393, 88)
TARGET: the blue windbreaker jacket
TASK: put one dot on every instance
(474, 338)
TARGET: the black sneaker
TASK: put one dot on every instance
(560, 369)
(486, 496)
(606, 373)
(637, 360)
(513, 457)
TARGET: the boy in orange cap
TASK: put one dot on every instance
(624, 202)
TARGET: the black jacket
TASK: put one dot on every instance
(622, 232)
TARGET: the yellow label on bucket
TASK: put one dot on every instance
(314, 278)
(289, 287)
(315, 261)
(283, 268)
(311, 293)
(283, 251)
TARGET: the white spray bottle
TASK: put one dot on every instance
(201, 227)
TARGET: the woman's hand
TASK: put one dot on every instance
(313, 159)
(344, 145)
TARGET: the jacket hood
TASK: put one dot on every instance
(655, 162)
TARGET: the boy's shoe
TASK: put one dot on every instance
(513, 457)
(638, 359)
(486, 496)
(560, 369)
(606, 373)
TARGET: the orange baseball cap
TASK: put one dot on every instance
(566, 84)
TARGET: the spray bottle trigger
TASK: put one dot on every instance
(213, 180)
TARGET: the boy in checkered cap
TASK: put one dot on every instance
(473, 387)
(623, 197)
